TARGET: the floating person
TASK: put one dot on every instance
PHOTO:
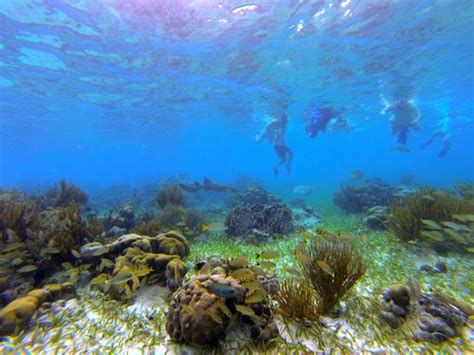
(442, 133)
(319, 118)
(357, 175)
(207, 185)
(405, 116)
(274, 131)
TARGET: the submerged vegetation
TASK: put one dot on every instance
(298, 300)
(407, 215)
(170, 194)
(332, 269)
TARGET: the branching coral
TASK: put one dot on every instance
(298, 300)
(428, 204)
(170, 194)
(332, 269)
(12, 210)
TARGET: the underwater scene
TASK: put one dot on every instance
(236, 177)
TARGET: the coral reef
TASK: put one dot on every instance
(149, 228)
(332, 269)
(170, 194)
(298, 300)
(357, 199)
(204, 309)
(268, 219)
(378, 218)
(132, 257)
(407, 215)
(193, 219)
(63, 196)
(17, 314)
(122, 217)
(253, 196)
(171, 215)
(431, 317)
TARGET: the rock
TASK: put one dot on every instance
(441, 266)
(17, 314)
(427, 268)
(115, 232)
(399, 294)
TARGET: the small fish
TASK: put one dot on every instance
(211, 312)
(221, 305)
(427, 197)
(224, 291)
(302, 258)
(327, 235)
(256, 296)
(257, 270)
(181, 224)
(13, 247)
(357, 174)
(105, 263)
(50, 250)
(456, 236)
(214, 227)
(267, 264)
(364, 239)
(17, 261)
(99, 279)
(188, 309)
(205, 269)
(269, 255)
(452, 225)
(253, 285)
(75, 253)
(100, 251)
(346, 237)
(464, 217)
(242, 274)
(239, 262)
(292, 270)
(470, 250)
(433, 235)
(122, 277)
(27, 268)
(401, 149)
(245, 310)
(431, 224)
(307, 235)
(325, 267)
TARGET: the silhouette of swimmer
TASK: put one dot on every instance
(405, 116)
(319, 118)
(443, 133)
(207, 185)
(274, 131)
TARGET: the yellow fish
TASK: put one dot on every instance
(214, 227)
(291, 270)
(307, 235)
(267, 264)
(303, 259)
(257, 296)
(269, 255)
(325, 267)
(239, 262)
(242, 274)
(327, 235)
(346, 237)
(245, 310)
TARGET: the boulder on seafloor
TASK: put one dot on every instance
(202, 311)
(378, 218)
(436, 317)
(17, 314)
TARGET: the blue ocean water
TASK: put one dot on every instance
(104, 92)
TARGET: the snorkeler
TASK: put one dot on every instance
(405, 116)
(321, 118)
(275, 131)
(443, 133)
